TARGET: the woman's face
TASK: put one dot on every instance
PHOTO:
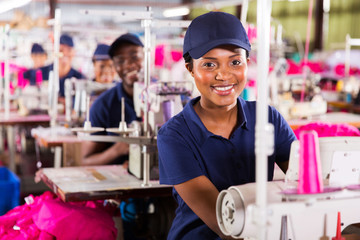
(104, 71)
(220, 75)
(128, 62)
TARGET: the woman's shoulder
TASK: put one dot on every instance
(175, 124)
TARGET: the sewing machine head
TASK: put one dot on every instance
(339, 157)
(76, 91)
(162, 100)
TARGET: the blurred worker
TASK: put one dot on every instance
(104, 70)
(128, 56)
(103, 65)
(66, 71)
(39, 57)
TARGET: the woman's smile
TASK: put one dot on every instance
(223, 90)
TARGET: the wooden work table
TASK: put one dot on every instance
(341, 105)
(99, 183)
(14, 119)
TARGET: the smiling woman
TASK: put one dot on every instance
(209, 146)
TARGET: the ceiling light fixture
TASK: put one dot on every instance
(209, 5)
(7, 5)
(176, 12)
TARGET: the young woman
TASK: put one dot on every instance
(209, 146)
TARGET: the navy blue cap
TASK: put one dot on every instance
(66, 40)
(37, 48)
(101, 52)
(213, 29)
(125, 38)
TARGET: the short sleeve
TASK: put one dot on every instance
(178, 162)
(98, 116)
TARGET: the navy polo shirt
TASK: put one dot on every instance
(188, 150)
(72, 73)
(30, 75)
(105, 112)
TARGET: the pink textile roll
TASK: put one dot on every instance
(38, 77)
(310, 178)
(2, 66)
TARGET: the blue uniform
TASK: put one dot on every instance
(106, 112)
(30, 75)
(72, 73)
(188, 150)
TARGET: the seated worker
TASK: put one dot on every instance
(103, 65)
(104, 70)
(65, 60)
(38, 56)
(210, 145)
(128, 56)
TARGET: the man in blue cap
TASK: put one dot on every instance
(66, 70)
(128, 56)
(103, 65)
(38, 56)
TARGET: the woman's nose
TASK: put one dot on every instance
(222, 75)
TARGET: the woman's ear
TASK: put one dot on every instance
(189, 67)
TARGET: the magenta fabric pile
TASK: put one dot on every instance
(47, 217)
(328, 129)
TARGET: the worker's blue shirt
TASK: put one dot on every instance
(72, 73)
(105, 112)
(30, 75)
(188, 150)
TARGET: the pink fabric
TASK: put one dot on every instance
(176, 55)
(2, 69)
(293, 68)
(159, 55)
(340, 70)
(50, 218)
(69, 221)
(329, 130)
(316, 67)
(38, 77)
(21, 217)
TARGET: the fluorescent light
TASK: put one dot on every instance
(7, 5)
(176, 12)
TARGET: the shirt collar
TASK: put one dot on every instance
(121, 92)
(198, 129)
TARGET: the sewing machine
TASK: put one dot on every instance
(285, 88)
(299, 216)
(161, 100)
(76, 92)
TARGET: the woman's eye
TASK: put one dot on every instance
(236, 62)
(209, 64)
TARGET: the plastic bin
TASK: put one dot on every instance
(9, 190)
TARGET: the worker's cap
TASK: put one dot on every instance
(66, 40)
(101, 52)
(125, 38)
(214, 29)
(37, 49)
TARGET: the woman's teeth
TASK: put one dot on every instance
(223, 88)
